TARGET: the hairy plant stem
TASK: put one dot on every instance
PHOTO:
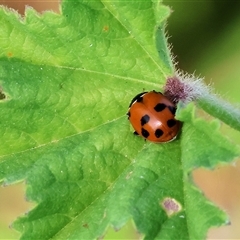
(220, 109)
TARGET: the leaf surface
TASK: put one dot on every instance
(68, 80)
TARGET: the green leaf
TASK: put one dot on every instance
(67, 81)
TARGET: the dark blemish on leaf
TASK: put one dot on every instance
(228, 222)
(106, 28)
(9, 54)
(171, 206)
(26, 213)
(11, 226)
(85, 225)
(2, 95)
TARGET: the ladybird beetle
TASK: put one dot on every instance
(152, 117)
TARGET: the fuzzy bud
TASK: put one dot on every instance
(184, 88)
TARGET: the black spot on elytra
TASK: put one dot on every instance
(172, 109)
(137, 98)
(160, 107)
(171, 122)
(145, 133)
(145, 119)
(140, 99)
(158, 133)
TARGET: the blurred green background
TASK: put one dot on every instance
(205, 36)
